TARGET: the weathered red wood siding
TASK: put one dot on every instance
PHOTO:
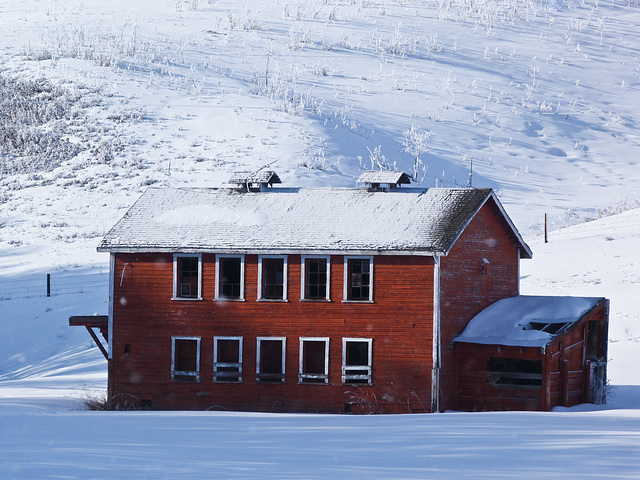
(465, 290)
(400, 322)
(475, 393)
(568, 381)
(565, 372)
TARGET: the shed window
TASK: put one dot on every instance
(356, 360)
(514, 371)
(358, 279)
(314, 360)
(227, 359)
(270, 359)
(230, 277)
(315, 278)
(185, 359)
(187, 276)
(273, 278)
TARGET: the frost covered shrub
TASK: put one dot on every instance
(43, 125)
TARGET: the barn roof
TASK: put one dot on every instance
(526, 321)
(300, 220)
(384, 176)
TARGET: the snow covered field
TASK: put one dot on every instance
(105, 98)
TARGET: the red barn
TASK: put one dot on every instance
(266, 298)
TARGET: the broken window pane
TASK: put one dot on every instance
(359, 279)
(227, 358)
(514, 371)
(273, 278)
(185, 364)
(230, 277)
(313, 360)
(316, 278)
(187, 277)
(356, 361)
(270, 360)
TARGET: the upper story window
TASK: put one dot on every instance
(230, 277)
(315, 278)
(358, 279)
(185, 359)
(187, 276)
(227, 359)
(272, 274)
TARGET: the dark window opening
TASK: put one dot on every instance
(187, 277)
(359, 279)
(227, 366)
(356, 366)
(316, 278)
(185, 360)
(230, 270)
(514, 371)
(273, 278)
(594, 349)
(271, 361)
(313, 365)
(551, 328)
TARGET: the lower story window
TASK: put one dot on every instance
(314, 360)
(227, 359)
(356, 360)
(185, 359)
(514, 371)
(270, 359)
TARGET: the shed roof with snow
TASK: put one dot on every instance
(287, 220)
(526, 321)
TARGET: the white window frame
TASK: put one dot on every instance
(347, 284)
(220, 377)
(346, 376)
(284, 279)
(303, 273)
(175, 372)
(218, 279)
(176, 292)
(284, 357)
(312, 376)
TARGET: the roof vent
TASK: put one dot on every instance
(255, 181)
(384, 180)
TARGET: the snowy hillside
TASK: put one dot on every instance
(98, 100)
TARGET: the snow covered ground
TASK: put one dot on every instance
(106, 98)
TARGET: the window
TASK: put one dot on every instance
(314, 360)
(230, 277)
(515, 372)
(272, 272)
(358, 279)
(185, 359)
(227, 359)
(187, 276)
(315, 278)
(356, 360)
(270, 357)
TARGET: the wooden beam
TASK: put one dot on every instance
(98, 321)
(98, 342)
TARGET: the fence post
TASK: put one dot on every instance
(546, 237)
(48, 284)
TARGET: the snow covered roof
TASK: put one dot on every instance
(385, 176)
(264, 176)
(287, 220)
(526, 321)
